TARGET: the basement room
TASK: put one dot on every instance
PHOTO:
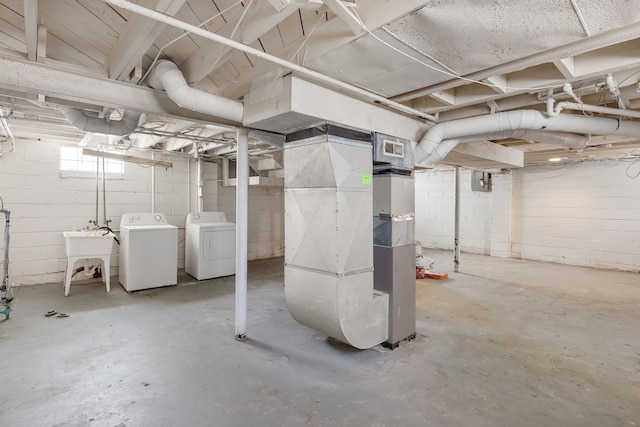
(320, 213)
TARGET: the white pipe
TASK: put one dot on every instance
(124, 4)
(166, 76)
(568, 89)
(79, 119)
(153, 184)
(426, 153)
(7, 132)
(225, 172)
(199, 186)
(592, 109)
(242, 222)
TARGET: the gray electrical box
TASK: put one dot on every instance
(481, 181)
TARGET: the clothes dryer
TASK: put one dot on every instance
(210, 245)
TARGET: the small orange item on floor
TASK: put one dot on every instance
(421, 273)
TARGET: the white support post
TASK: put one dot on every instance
(242, 208)
(456, 236)
(153, 184)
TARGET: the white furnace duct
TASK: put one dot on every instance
(328, 243)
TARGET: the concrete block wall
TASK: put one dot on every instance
(484, 217)
(586, 215)
(44, 203)
(266, 219)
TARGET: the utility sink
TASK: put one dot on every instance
(88, 244)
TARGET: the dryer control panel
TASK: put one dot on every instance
(144, 218)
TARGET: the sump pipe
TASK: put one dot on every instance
(428, 153)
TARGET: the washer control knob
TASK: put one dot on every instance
(158, 218)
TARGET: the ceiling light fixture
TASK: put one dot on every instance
(555, 159)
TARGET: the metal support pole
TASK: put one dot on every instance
(153, 184)
(242, 209)
(456, 233)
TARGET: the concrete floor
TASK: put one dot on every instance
(503, 343)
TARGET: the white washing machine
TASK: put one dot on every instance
(210, 245)
(148, 251)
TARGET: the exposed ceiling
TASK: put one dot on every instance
(452, 59)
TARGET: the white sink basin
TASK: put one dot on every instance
(88, 244)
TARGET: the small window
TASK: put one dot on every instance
(72, 160)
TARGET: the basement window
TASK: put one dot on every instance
(72, 160)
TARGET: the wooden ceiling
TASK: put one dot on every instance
(454, 59)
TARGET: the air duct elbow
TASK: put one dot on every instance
(345, 308)
(81, 120)
(166, 76)
(570, 130)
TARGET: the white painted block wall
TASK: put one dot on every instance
(484, 217)
(44, 203)
(587, 215)
(266, 219)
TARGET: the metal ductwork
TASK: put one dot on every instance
(328, 244)
(443, 137)
(81, 120)
(166, 76)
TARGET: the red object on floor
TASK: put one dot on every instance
(422, 274)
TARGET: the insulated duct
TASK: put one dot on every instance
(443, 137)
(166, 76)
(329, 234)
(79, 119)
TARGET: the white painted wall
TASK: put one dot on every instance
(266, 219)
(587, 214)
(484, 217)
(44, 203)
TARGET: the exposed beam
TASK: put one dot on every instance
(207, 57)
(41, 51)
(130, 159)
(342, 12)
(31, 27)
(137, 37)
(256, 21)
(22, 76)
(446, 97)
(566, 66)
(598, 41)
(327, 37)
(503, 156)
(498, 83)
